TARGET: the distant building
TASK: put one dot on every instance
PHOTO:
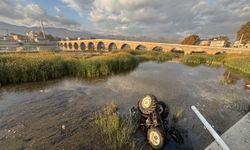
(205, 43)
(8, 38)
(18, 37)
(30, 35)
(33, 36)
(238, 44)
(247, 45)
(219, 43)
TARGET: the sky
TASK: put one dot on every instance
(173, 19)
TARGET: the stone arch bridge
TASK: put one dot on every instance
(111, 45)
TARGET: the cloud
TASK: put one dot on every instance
(170, 18)
(80, 6)
(31, 13)
(155, 18)
(57, 9)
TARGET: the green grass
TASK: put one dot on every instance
(20, 68)
(239, 63)
(154, 55)
(43, 66)
(197, 59)
(117, 131)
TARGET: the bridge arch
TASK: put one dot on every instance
(61, 44)
(83, 46)
(65, 45)
(70, 46)
(91, 46)
(125, 47)
(178, 50)
(198, 52)
(76, 46)
(157, 48)
(141, 47)
(219, 52)
(112, 46)
(100, 46)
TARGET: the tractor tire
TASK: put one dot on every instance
(163, 109)
(156, 137)
(147, 104)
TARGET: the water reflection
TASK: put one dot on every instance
(230, 78)
(37, 111)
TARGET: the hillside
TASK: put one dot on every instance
(62, 33)
(59, 32)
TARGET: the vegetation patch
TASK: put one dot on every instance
(42, 66)
(117, 131)
(239, 63)
(197, 59)
(20, 68)
(153, 55)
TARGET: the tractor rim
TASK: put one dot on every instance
(154, 138)
(146, 102)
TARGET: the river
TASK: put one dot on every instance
(58, 114)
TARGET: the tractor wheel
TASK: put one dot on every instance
(163, 109)
(147, 104)
(156, 137)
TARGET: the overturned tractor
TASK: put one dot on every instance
(152, 115)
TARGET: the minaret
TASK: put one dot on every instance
(41, 23)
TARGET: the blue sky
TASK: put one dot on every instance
(172, 19)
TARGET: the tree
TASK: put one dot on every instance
(244, 32)
(191, 40)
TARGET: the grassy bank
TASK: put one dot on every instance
(238, 63)
(20, 68)
(153, 55)
(197, 59)
(116, 131)
(30, 67)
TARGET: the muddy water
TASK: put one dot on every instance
(58, 114)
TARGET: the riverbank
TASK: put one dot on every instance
(238, 63)
(43, 66)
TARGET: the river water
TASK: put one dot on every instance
(58, 114)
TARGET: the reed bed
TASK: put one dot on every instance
(197, 59)
(239, 63)
(117, 131)
(154, 55)
(45, 66)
